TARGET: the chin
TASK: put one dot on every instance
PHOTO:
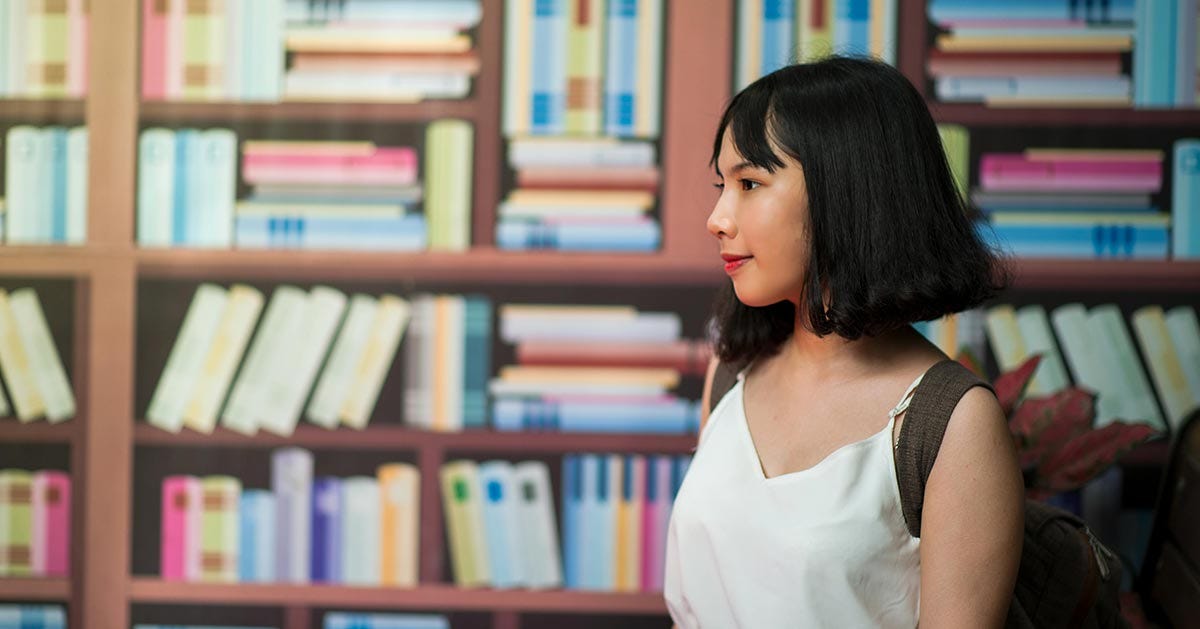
(753, 296)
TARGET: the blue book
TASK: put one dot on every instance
(676, 416)
(1185, 200)
(1146, 242)
(572, 521)
(778, 45)
(549, 72)
(597, 518)
(32, 617)
(344, 620)
(58, 184)
(478, 364)
(1184, 81)
(679, 468)
(500, 524)
(185, 139)
(852, 27)
(402, 233)
(1092, 12)
(256, 561)
(524, 235)
(327, 530)
(620, 70)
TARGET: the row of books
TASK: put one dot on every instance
(198, 51)
(774, 33)
(1065, 53)
(304, 194)
(35, 523)
(46, 185)
(1054, 203)
(1093, 348)
(577, 67)
(595, 369)
(615, 510)
(359, 530)
(581, 194)
(43, 49)
(32, 616)
(332, 620)
(373, 50)
(30, 363)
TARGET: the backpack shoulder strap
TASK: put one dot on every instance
(723, 380)
(921, 432)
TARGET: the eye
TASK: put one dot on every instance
(748, 185)
(720, 185)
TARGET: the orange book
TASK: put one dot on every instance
(399, 487)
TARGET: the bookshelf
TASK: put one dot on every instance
(105, 275)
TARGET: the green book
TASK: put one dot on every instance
(16, 523)
(449, 149)
(219, 543)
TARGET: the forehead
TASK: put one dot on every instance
(730, 159)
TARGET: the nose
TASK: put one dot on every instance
(720, 220)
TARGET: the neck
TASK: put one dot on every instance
(833, 359)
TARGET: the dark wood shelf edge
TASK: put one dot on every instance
(40, 431)
(1109, 275)
(401, 438)
(982, 115)
(425, 597)
(27, 110)
(34, 589)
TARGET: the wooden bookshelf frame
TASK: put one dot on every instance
(102, 438)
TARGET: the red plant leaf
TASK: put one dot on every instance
(1010, 387)
(968, 359)
(1055, 421)
(1087, 455)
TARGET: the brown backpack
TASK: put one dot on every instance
(1067, 577)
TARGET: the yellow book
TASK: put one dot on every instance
(441, 356)
(621, 524)
(1005, 336)
(48, 69)
(237, 321)
(449, 156)
(947, 336)
(1166, 367)
(580, 198)
(219, 530)
(309, 147)
(1035, 43)
(814, 20)
(464, 523)
(202, 63)
(399, 485)
(749, 59)
(46, 367)
(316, 42)
(585, 65)
(391, 319)
(14, 364)
(595, 375)
(518, 64)
(650, 60)
(956, 142)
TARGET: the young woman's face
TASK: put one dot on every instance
(760, 220)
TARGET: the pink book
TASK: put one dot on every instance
(655, 515)
(299, 176)
(51, 523)
(77, 48)
(154, 52)
(401, 157)
(181, 509)
(1016, 172)
(173, 35)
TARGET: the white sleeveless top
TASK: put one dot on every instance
(821, 547)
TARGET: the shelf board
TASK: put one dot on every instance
(187, 112)
(53, 260)
(1123, 275)
(441, 598)
(482, 264)
(34, 589)
(42, 111)
(40, 431)
(981, 115)
(400, 438)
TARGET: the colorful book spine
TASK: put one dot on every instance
(1166, 368)
(1184, 329)
(655, 516)
(17, 370)
(1051, 375)
(585, 61)
(1185, 200)
(477, 364)
(633, 237)
(347, 620)
(461, 500)
(404, 233)
(182, 506)
(549, 71)
(361, 520)
(154, 43)
(399, 485)
(541, 560)
(348, 348)
(499, 507)
(256, 559)
(219, 527)
(51, 523)
(387, 329)
(327, 530)
(291, 483)
(670, 416)
(46, 365)
(156, 185)
(237, 320)
(16, 523)
(597, 513)
(572, 521)
(186, 360)
(243, 411)
(32, 616)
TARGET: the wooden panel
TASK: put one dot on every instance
(489, 159)
(54, 590)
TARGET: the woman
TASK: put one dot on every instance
(840, 225)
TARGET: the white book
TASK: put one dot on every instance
(241, 411)
(540, 557)
(1008, 345)
(269, 51)
(500, 524)
(156, 188)
(229, 344)
(1084, 359)
(26, 169)
(1185, 334)
(44, 360)
(186, 360)
(291, 384)
(419, 353)
(386, 332)
(360, 531)
(77, 185)
(15, 365)
(1150, 326)
(579, 153)
(273, 386)
(1138, 398)
(1051, 375)
(505, 388)
(291, 483)
(643, 327)
(218, 160)
(15, 50)
(336, 378)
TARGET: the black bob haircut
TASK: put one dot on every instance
(891, 242)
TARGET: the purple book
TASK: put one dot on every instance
(326, 530)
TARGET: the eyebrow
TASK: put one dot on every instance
(737, 168)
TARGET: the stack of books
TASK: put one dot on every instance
(46, 185)
(43, 49)
(30, 363)
(359, 530)
(774, 33)
(447, 362)
(595, 369)
(212, 51)
(380, 50)
(1074, 203)
(32, 617)
(1033, 52)
(187, 187)
(35, 524)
